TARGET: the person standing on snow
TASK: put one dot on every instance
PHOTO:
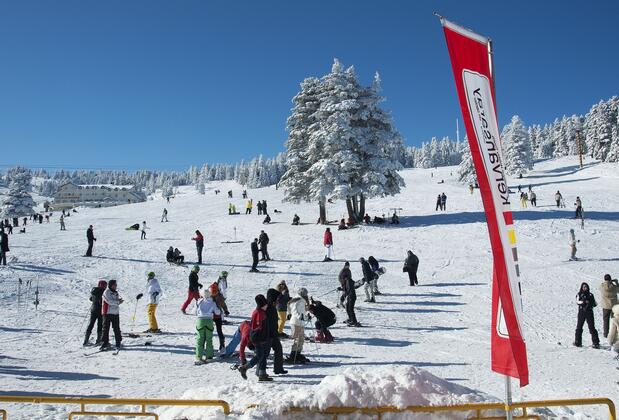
(276, 345)
(282, 307)
(206, 309)
(438, 203)
(218, 318)
(608, 292)
(96, 296)
(368, 280)
(193, 292)
(410, 266)
(297, 308)
(263, 241)
(254, 256)
(443, 202)
(259, 336)
(558, 198)
(62, 225)
(259, 207)
(264, 207)
(533, 199)
(327, 241)
(578, 205)
(143, 235)
(164, 216)
(572, 243)
(199, 245)
(110, 310)
(4, 246)
(90, 236)
(613, 332)
(222, 285)
(350, 294)
(586, 303)
(249, 206)
(377, 272)
(153, 290)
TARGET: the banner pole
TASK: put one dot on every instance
(508, 398)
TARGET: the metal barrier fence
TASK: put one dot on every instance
(143, 403)
(477, 408)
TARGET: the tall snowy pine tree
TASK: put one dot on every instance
(18, 202)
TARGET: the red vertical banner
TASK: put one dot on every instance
(472, 67)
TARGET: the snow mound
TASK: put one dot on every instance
(398, 386)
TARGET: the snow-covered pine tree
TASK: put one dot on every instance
(18, 201)
(466, 169)
(599, 123)
(517, 157)
(559, 138)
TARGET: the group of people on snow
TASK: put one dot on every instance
(441, 202)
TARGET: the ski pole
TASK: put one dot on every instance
(329, 292)
(134, 312)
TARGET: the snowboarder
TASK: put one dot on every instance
(263, 241)
(558, 198)
(164, 216)
(350, 294)
(4, 246)
(110, 309)
(282, 307)
(143, 235)
(297, 309)
(254, 256)
(276, 345)
(90, 236)
(327, 241)
(378, 271)
(324, 319)
(410, 266)
(249, 206)
(199, 245)
(206, 309)
(259, 336)
(218, 318)
(573, 248)
(586, 303)
(295, 220)
(62, 225)
(438, 203)
(443, 202)
(96, 295)
(608, 292)
(193, 292)
(368, 280)
(153, 291)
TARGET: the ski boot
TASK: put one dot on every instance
(328, 337)
(319, 337)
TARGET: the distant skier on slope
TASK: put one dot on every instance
(199, 245)
(90, 237)
(586, 303)
(572, 243)
(327, 241)
(254, 255)
(153, 291)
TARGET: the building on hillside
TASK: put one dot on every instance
(73, 195)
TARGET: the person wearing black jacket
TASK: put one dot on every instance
(324, 319)
(95, 312)
(349, 294)
(276, 345)
(263, 241)
(4, 246)
(90, 236)
(193, 291)
(254, 255)
(586, 303)
(368, 280)
(410, 266)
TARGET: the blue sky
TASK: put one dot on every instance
(165, 84)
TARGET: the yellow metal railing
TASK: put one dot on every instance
(140, 402)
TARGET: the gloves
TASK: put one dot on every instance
(339, 289)
(138, 297)
(227, 313)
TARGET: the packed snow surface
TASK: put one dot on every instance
(412, 336)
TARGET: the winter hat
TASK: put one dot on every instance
(111, 283)
(102, 284)
(302, 292)
(224, 274)
(260, 301)
(272, 295)
(214, 288)
(151, 275)
(196, 268)
(607, 277)
(346, 264)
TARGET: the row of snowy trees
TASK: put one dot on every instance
(596, 135)
(341, 144)
(434, 153)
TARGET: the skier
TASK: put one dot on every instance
(282, 307)
(324, 319)
(276, 345)
(193, 292)
(254, 255)
(443, 202)
(259, 336)
(110, 309)
(62, 225)
(438, 203)
(377, 270)
(153, 290)
(206, 309)
(249, 206)
(164, 216)
(410, 266)
(264, 207)
(573, 248)
(263, 241)
(218, 318)
(586, 303)
(368, 280)
(558, 198)
(295, 220)
(297, 309)
(199, 245)
(578, 205)
(259, 207)
(613, 332)
(327, 241)
(608, 292)
(533, 199)
(90, 236)
(350, 295)
(96, 295)
(143, 235)
(4, 246)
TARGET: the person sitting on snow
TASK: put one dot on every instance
(324, 319)
(395, 220)
(379, 220)
(169, 256)
(295, 220)
(266, 220)
(367, 219)
(178, 257)
(342, 225)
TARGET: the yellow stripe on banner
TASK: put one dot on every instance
(512, 236)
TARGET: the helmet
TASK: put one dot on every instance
(196, 268)
(302, 292)
(151, 274)
(223, 274)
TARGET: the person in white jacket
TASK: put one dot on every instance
(573, 243)
(613, 331)
(297, 309)
(153, 291)
(110, 309)
(206, 308)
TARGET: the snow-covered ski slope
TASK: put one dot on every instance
(441, 326)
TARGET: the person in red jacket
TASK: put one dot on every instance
(240, 336)
(259, 335)
(328, 243)
(199, 245)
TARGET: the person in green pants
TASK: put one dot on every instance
(206, 308)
